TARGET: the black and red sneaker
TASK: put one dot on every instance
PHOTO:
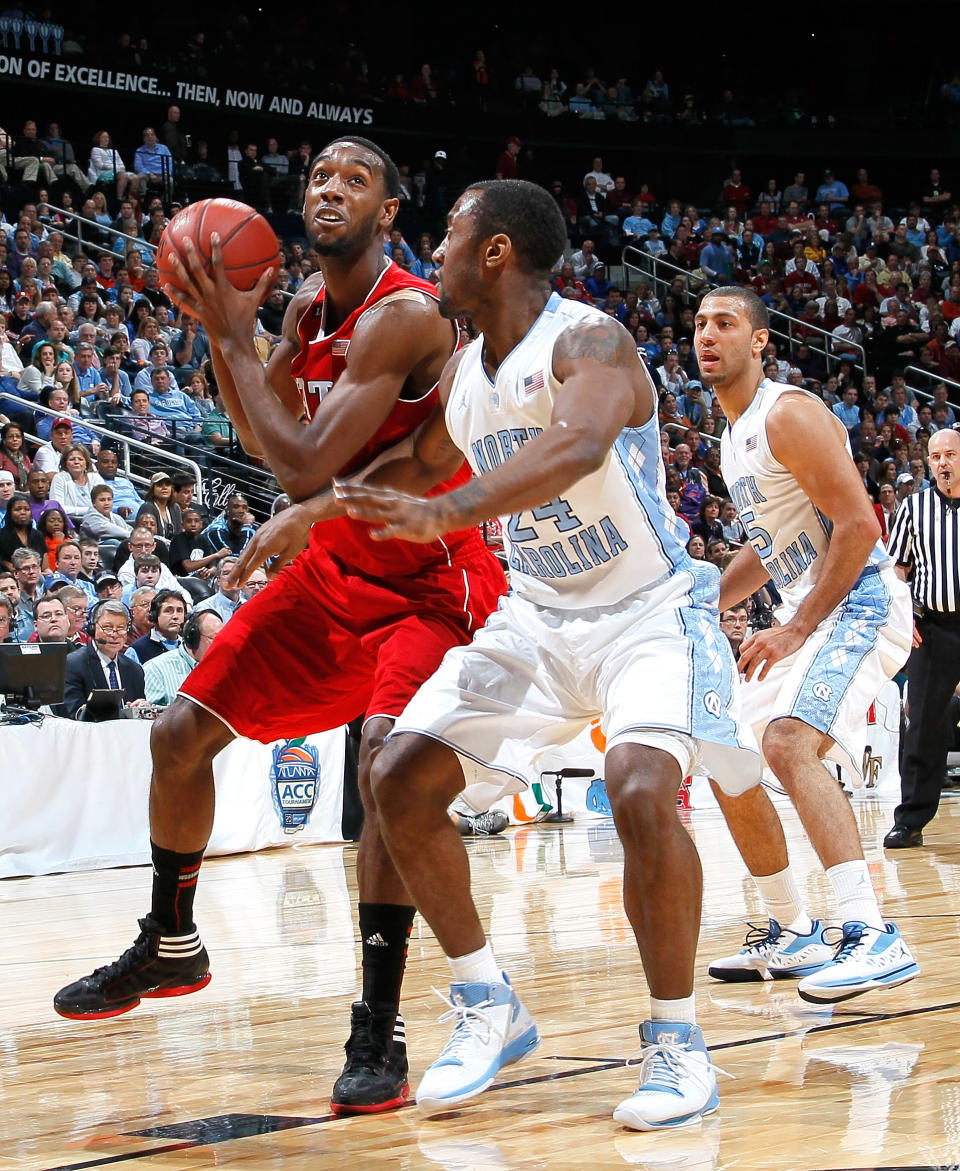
(156, 965)
(374, 1077)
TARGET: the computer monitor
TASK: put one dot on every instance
(32, 673)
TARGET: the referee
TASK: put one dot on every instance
(925, 538)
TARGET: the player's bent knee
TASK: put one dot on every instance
(785, 746)
(642, 782)
(413, 766)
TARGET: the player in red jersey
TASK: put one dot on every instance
(351, 626)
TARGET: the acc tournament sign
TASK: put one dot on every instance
(295, 782)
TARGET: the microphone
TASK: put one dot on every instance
(571, 772)
(101, 642)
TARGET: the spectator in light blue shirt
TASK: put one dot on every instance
(671, 221)
(89, 374)
(159, 360)
(153, 162)
(715, 257)
(637, 223)
(847, 410)
(169, 404)
(126, 499)
(397, 241)
(832, 191)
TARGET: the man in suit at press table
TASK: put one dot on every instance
(101, 664)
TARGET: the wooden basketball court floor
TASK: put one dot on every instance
(239, 1074)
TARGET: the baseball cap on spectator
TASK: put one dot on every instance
(61, 421)
(904, 478)
(6, 477)
(827, 171)
(514, 141)
(693, 381)
(440, 154)
(160, 478)
(106, 579)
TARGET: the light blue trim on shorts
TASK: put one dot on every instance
(825, 682)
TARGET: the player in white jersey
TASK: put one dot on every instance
(845, 626)
(608, 617)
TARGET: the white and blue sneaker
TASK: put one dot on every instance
(492, 1030)
(775, 953)
(867, 958)
(678, 1081)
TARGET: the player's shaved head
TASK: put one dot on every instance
(528, 214)
(750, 303)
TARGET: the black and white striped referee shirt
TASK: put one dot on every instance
(926, 536)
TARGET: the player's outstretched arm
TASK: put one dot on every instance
(743, 576)
(392, 343)
(810, 443)
(602, 384)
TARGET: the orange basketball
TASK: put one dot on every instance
(248, 242)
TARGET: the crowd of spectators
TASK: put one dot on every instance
(85, 581)
(865, 306)
(864, 298)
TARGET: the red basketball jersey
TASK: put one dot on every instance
(316, 369)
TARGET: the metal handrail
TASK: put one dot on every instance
(127, 440)
(710, 440)
(93, 224)
(948, 382)
(825, 334)
(657, 262)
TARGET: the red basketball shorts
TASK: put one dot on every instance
(323, 643)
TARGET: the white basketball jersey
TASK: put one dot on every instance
(610, 534)
(789, 534)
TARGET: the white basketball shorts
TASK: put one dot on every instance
(832, 680)
(655, 668)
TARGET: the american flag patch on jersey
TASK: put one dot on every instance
(751, 444)
(533, 383)
(340, 346)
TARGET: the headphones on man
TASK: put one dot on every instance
(90, 628)
(191, 631)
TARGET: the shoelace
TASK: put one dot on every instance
(472, 1023)
(848, 943)
(361, 1046)
(664, 1063)
(757, 936)
(121, 965)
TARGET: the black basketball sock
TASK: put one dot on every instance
(384, 932)
(174, 886)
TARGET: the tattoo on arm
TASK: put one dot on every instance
(604, 341)
(471, 495)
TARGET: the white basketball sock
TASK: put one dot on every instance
(855, 894)
(479, 967)
(674, 1010)
(782, 901)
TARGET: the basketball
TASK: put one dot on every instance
(248, 242)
